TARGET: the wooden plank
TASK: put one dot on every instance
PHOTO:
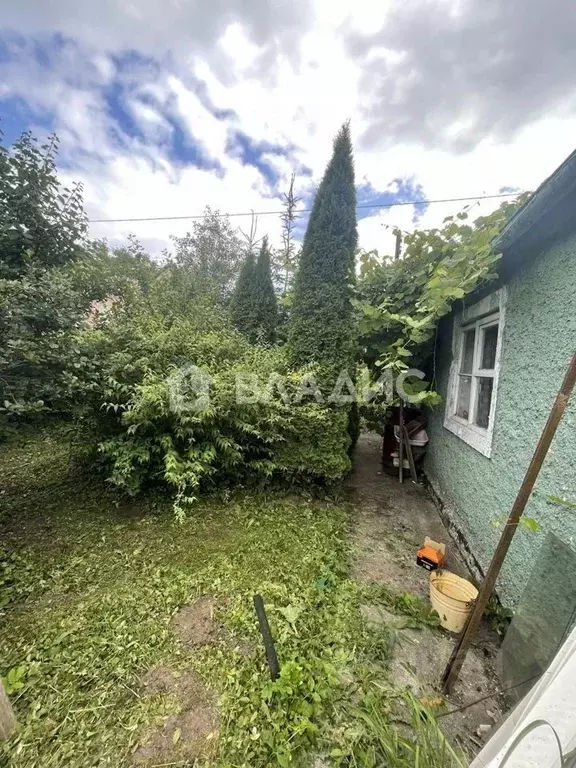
(410, 456)
(401, 444)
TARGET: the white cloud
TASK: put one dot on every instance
(238, 49)
(521, 164)
(283, 74)
(150, 120)
(201, 124)
(136, 187)
(174, 26)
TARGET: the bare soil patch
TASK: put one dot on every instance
(190, 735)
(186, 686)
(193, 735)
(195, 624)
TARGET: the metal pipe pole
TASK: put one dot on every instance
(463, 644)
(267, 637)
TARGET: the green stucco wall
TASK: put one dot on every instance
(539, 338)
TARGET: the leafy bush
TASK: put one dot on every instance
(37, 313)
(139, 382)
(41, 314)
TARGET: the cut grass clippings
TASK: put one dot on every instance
(92, 590)
(89, 591)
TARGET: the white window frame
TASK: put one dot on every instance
(490, 311)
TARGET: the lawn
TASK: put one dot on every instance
(92, 619)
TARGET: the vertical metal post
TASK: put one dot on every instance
(401, 443)
(410, 456)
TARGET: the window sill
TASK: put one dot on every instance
(476, 437)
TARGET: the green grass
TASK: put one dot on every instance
(92, 588)
(89, 589)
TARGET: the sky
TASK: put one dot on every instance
(165, 107)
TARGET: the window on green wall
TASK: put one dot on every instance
(470, 407)
(477, 368)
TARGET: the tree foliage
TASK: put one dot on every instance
(115, 371)
(42, 229)
(49, 278)
(37, 314)
(42, 223)
(40, 316)
(322, 322)
(212, 253)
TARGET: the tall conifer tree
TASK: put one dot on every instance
(242, 309)
(266, 308)
(321, 324)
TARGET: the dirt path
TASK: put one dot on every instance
(391, 521)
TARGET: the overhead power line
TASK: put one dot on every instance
(308, 210)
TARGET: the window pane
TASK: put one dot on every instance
(467, 351)
(485, 385)
(463, 401)
(489, 341)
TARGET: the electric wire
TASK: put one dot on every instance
(308, 210)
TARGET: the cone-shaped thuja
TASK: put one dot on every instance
(321, 324)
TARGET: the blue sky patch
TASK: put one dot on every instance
(124, 123)
(16, 116)
(370, 200)
(251, 152)
(56, 56)
(182, 150)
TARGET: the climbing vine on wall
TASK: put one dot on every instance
(402, 301)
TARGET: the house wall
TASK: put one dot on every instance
(539, 339)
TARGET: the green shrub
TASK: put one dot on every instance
(139, 384)
(38, 313)
(41, 314)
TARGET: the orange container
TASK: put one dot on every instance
(432, 555)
